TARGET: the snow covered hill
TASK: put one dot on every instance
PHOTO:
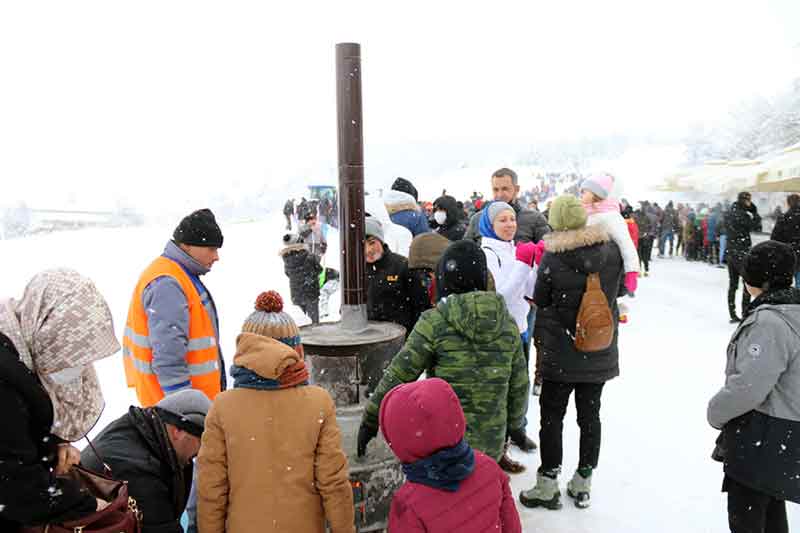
(655, 473)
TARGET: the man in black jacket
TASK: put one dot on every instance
(742, 219)
(787, 229)
(390, 294)
(531, 225)
(152, 449)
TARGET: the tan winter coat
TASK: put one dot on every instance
(272, 460)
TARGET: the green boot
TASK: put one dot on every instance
(579, 489)
(545, 494)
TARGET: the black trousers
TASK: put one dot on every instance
(751, 511)
(733, 285)
(645, 251)
(553, 402)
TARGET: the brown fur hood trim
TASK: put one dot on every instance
(292, 248)
(564, 241)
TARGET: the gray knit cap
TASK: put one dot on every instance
(496, 208)
(186, 410)
(373, 228)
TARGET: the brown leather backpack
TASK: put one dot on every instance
(594, 327)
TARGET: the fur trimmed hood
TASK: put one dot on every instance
(293, 248)
(565, 241)
(397, 201)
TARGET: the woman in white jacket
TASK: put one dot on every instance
(514, 272)
(514, 276)
(604, 211)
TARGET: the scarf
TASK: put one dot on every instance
(485, 225)
(790, 295)
(609, 205)
(60, 327)
(293, 376)
(445, 469)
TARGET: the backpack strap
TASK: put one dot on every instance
(499, 261)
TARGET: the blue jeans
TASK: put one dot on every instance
(797, 279)
(668, 235)
(723, 245)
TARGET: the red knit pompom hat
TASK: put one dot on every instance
(269, 320)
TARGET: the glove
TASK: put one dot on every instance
(540, 250)
(526, 253)
(631, 281)
(753, 209)
(365, 434)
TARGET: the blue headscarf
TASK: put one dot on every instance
(445, 469)
(485, 225)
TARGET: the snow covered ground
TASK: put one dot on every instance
(655, 473)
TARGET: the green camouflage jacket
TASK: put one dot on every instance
(472, 342)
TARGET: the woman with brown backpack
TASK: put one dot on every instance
(580, 278)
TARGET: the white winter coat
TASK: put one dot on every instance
(513, 279)
(617, 229)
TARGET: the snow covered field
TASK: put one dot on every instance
(655, 473)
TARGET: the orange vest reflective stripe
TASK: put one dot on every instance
(202, 352)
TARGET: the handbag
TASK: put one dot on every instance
(122, 514)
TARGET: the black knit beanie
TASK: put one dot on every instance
(199, 229)
(770, 265)
(461, 269)
(403, 185)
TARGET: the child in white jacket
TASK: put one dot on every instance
(604, 210)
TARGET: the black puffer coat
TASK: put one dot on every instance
(456, 224)
(787, 230)
(303, 270)
(561, 282)
(391, 292)
(138, 450)
(739, 223)
(30, 493)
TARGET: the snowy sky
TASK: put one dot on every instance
(152, 100)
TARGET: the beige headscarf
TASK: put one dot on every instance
(62, 323)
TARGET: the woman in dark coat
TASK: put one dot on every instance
(787, 229)
(50, 396)
(303, 269)
(573, 251)
(449, 219)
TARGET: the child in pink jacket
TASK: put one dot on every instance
(450, 487)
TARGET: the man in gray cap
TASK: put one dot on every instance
(389, 283)
(152, 449)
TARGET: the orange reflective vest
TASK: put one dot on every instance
(202, 352)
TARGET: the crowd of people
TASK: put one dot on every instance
(485, 291)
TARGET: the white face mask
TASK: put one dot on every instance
(68, 375)
(440, 217)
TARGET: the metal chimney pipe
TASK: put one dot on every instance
(351, 185)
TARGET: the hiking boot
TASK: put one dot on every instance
(579, 488)
(646, 273)
(522, 441)
(544, 494)
(507, 464)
